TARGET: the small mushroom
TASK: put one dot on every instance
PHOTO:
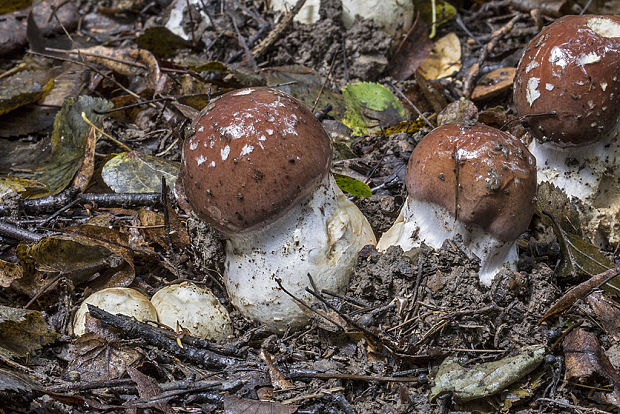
(257, 169)
(567, 88)
(473, 182)
(193, 308)
(124, 301)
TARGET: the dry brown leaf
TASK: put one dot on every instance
(444, 60)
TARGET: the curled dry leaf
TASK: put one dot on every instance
(494, 83)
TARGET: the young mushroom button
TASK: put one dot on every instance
(567, 88)
(257, 169)
(474, 182)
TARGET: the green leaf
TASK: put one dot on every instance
(130, 172)
(68, 144)
(370, 106)
(444, 11)
(161, 41)
(352, 186)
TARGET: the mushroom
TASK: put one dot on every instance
(124, 301)
(257, 169)
(567, 88)
(473, 182)
(193, 308)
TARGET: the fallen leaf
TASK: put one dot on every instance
(494, 83)
(607, 313)
(148, 388)
(24, 88)
(352, 186)
(131, 172)
(236, 405)
(161, 41)
(486, 379)
(584, 359)
(68, 144)
(23, 331)
(9, 272)
(370, 106)
(579, 292)
(412, 51)
(444, 60)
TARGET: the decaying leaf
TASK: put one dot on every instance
(494, 83)
(131, 172)
(553, 200)
(24, 88)
(97, 358)
(578, 257)
(483, 380)
(607, 313)
(161, 41)
(585, 359)
(411, 52)
(370, 106)
(23, 331)
(580, 291)
(68, 144)
(154, 228)
(148, 388)
(305, 84)
(9, 272)
(352, 186)
(444, 60)
(236, 405)
(81, 252)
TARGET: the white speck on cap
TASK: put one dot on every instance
(533, 64)
(588, 58)
(532, 93)
(244, 92)
(549, 86)
(200, 159)
(604, 27)
(224, 152)
(247, 149)
(558, 57)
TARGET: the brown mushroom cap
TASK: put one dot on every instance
(571, 67)
(495, 173)
(255, 152)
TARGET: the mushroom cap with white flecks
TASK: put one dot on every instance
(481, 175)
(567, 85)
(255, 152)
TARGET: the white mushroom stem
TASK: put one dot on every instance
(421, 221)
(577, 170)
(321, 237)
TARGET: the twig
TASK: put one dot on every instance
(306, 373)
(495, 37)
(140, 330)
(108, 136)
(275, 34)
(17, 233)
(402, 95)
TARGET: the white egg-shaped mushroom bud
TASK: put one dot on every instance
(257, 169)
(123, 301)
(567, 88)
(473, 182)
(193, 308)
(392, 16)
